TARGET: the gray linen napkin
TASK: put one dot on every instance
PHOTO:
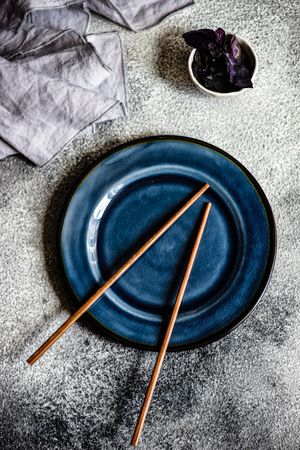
(63, 14)
(50, 93)
(55, 80)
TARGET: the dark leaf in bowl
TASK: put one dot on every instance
(220, 36)
(238, 73)
(235, 48)
(199, 39)
(219, 62)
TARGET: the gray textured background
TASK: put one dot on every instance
(240, 393)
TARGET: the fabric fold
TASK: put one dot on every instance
(54, 87)
(137, 15)
(55, 79)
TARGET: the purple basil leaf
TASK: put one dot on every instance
(217, 82)
(235, 48)
(214, 50)
(221, 84)
(220, 36)
(239, 75)
(199, 39)
(201, 61)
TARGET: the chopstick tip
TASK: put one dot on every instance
(202, 190)
(207, 208)
(31, 360)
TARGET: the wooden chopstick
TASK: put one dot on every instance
(74, 317)
(167, 337)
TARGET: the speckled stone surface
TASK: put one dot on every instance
(240, 393)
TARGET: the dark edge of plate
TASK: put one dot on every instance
(268, 269)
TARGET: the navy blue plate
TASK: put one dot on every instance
(132, 192)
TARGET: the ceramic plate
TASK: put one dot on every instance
(132, 192)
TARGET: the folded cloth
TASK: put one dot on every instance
(50, 93)
(63, 14)
(55, 80)
(136, 14)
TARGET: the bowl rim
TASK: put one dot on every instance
(216, 93)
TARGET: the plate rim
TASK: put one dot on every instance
(260, 291)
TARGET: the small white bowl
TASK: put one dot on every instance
(246, 48)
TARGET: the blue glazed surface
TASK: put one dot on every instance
(131, 193)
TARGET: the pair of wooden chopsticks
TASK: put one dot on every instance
(74, 317)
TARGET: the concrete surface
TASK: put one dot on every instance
(240, 393)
